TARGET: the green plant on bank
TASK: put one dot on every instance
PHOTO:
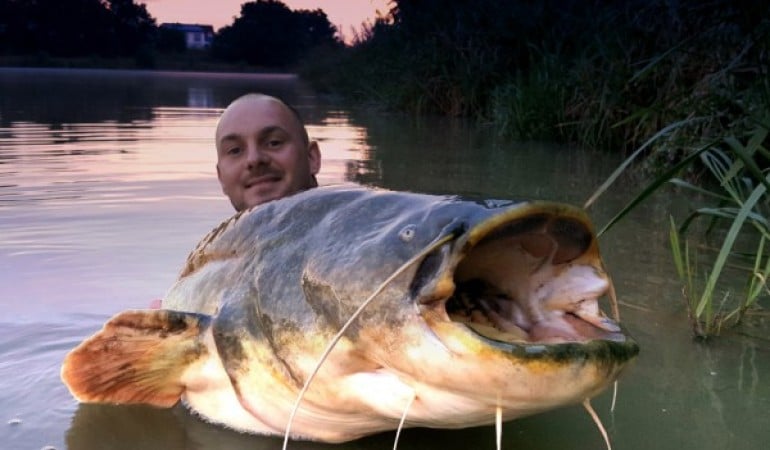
(740, 198)
(718, 119)
(529, 106)
(737, 210)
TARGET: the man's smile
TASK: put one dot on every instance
(262, 180)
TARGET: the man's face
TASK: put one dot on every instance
(262, 154)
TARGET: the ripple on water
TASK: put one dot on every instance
(35, 406)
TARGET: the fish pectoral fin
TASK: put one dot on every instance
(137, 357)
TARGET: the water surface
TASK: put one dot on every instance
(107, 181)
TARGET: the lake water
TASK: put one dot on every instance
(107, 181)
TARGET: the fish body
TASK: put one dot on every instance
(502, 312)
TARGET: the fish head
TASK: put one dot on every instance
(501, 308)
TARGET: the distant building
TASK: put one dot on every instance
(196, 37)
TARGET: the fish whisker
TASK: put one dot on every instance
(614, 302)
(597, 421)
(403, 420)
(499, 427)
(616, 315)
(419, 256)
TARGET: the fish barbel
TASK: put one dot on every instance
(498, 316)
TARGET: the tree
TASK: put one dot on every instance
(134, 30)
(68, 28)
(268, 33)
(73, 28)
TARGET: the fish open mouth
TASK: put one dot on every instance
(533, 278)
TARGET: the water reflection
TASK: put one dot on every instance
(54, 97)
(142, 427)
(93, 426)
(199, 97)
(438, 155)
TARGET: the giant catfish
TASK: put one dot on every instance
(475, 311)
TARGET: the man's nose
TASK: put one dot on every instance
(256, 156)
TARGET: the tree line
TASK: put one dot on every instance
(267, 33)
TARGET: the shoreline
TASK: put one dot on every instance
(288, 76)
(158, 63)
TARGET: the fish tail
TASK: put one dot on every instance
(137, 357)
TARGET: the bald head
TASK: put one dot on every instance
(253, 102)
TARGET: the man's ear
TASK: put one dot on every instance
(313, 156)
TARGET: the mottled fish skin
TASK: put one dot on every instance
(264, 293)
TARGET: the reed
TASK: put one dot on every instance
(738, 200)
(712, 142)
(531, 105)
(734, 204)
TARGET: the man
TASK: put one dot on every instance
(263, 151)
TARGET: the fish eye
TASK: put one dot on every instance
(407, 233)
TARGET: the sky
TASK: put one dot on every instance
(346, 15)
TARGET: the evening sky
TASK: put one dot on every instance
(346, 15)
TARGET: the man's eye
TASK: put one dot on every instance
(234, 151)
(274, 143)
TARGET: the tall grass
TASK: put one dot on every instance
(733, 189)
(739, 197)
(530, 106)
(712, 142)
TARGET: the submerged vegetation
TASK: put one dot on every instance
(680, 87)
